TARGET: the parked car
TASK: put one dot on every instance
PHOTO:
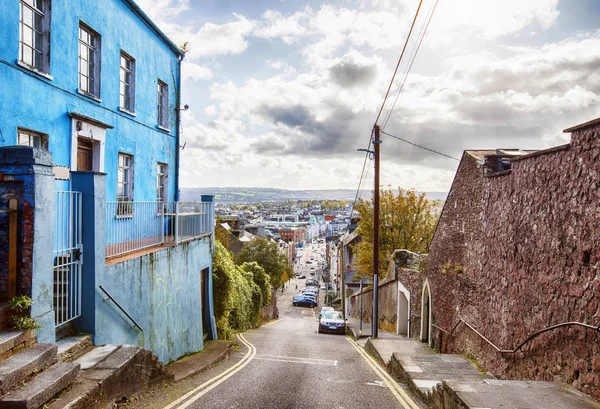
(308, 262)
(332, 321)
(304, 300)
(302, 277)
(324, 310)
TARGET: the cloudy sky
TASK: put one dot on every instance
(282, 93)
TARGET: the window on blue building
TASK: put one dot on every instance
(161, 182)
(127, 83)
(163, 105)
(34, 139)
(34, 50)
(89, 61)
(125, 178)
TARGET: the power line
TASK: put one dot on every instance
(412, 60)
(420, 146)
(399, 60)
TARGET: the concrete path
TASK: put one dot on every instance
(447, 381)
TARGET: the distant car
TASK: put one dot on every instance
(308, 262)
(332, 321)
(301, 277)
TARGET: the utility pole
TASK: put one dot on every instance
(376, 143)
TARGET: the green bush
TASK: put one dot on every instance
(239, 293)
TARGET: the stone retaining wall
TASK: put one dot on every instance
(519, 252)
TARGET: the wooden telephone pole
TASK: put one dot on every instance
(376, 143)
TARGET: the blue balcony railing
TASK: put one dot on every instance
(133, 226)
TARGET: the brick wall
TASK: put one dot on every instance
(519, 252)
(13, 190)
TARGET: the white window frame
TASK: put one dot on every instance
(34, 39)
(26, 137)
(125, 177)
(162, 174)
(127, 83)
(163, 105)
(90, 41)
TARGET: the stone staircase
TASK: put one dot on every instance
(448, 381)
(76, 375)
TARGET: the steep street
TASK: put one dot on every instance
(286, 364)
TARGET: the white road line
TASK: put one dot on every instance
(294, 360)
(400, 394)
(217, 380)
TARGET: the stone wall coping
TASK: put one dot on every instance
(24, 155)
(543, 152)
(584, 125)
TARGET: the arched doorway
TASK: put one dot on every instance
(426, 308)
(403, 327)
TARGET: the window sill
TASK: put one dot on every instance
(34, 70)
(162, 128)
(87, 94)
(127, 111)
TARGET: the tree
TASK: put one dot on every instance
(267, 255)
(261, 279)
(407, 221)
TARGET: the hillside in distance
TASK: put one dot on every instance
(257, 194)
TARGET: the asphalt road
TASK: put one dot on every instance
(287, 364)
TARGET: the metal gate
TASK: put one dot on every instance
(67, 256)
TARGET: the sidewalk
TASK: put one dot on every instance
(213, 353)
(449, 381)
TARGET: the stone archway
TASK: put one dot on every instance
(426, 313)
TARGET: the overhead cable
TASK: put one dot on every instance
(420, 146)
(412, 60)
(399, 60)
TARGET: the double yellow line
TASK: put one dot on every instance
(196, 393)
(400, 394)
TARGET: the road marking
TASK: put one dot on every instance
(201, 390)
(400, 394)
(270, 322)
(294, 360)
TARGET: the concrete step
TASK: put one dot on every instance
(96, 355)
(70, 348)
(125, 372)
(12, 341)
(500, 394)
(21, 365)
(42, 388)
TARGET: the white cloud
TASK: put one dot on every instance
(228, 38)
(195, 71)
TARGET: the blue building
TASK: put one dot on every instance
(91, 96)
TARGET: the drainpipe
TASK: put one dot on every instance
(177, 125)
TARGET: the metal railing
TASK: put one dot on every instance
(110, 297)
(133, 226)
(188, 220)
(528, 339)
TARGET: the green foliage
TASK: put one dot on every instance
(20, 318)
(239, 293)
(266, 253)
(20, 303)
(261, 278)
(452, 268)
(407, 221)
(20, 322)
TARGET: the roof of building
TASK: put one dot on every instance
(584, 125)
(137, 10)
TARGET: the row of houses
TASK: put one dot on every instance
(89, 160)
(511, 279)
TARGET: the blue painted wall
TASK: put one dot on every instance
(161, 291)
(34, 102)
